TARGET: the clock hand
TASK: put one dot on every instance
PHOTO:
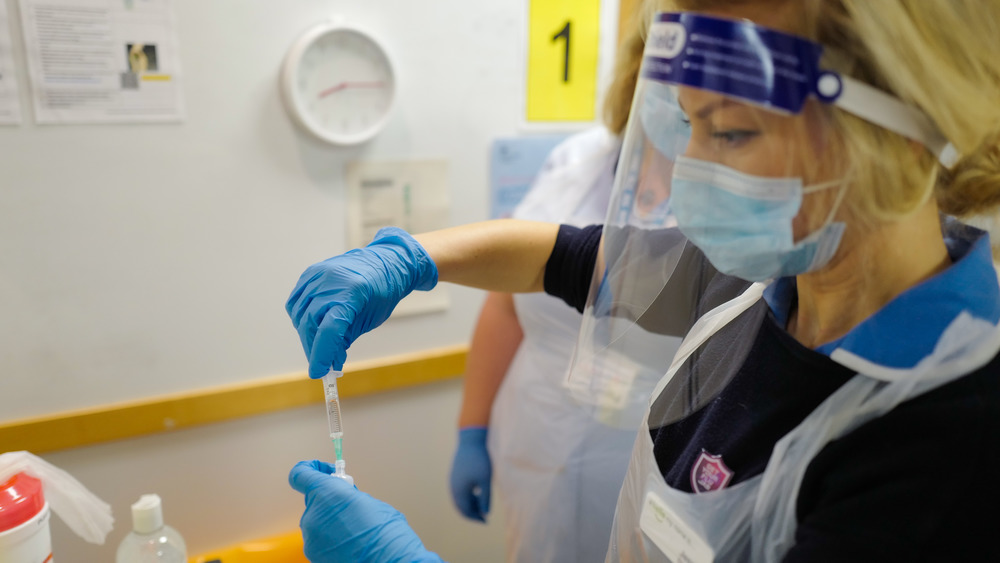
(346, 85)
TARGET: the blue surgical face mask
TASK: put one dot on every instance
(663, 120)
(743, 223)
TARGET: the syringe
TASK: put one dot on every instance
(333, 418)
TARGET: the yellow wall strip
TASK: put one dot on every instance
(184, 410)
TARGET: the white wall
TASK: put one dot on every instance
(137, 260)
(144, 259)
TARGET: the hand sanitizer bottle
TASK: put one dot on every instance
(150, 541)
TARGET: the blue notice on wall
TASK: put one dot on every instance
(514, 163)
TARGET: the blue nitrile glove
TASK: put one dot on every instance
(343, 524)
(338, 300)
(470, 474)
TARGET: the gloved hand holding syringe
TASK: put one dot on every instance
(336, 425)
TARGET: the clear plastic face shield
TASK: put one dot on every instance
(730, 164)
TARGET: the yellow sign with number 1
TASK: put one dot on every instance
(563, 38)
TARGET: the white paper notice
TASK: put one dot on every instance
(10, 104)
(102, 61)
(411, 195)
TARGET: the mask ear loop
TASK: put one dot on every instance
(836, 204)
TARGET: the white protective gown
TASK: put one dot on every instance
(557, 470)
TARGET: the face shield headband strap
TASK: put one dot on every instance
(875, 106)
(774, 70)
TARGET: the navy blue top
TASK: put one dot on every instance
(917, 484)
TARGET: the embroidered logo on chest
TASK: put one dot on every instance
(709, 473)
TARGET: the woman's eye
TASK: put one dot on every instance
(734, 136)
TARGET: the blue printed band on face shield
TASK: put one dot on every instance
(736, 58)
(773, 70)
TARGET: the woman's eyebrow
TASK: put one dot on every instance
(710, 107)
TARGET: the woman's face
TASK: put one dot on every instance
(764, 143)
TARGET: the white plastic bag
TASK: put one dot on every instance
(88, 516)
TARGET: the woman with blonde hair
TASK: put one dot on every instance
(837, 393)
(523, 437)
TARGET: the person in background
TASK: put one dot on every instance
(518, 423)
(837, 394)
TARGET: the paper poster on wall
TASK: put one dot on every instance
(103, 61)
(10, 103)
(411, 195)
(514, 164)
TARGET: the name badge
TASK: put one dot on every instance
(674, 537)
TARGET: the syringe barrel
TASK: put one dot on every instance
(333, 402)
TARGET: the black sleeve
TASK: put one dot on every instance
(674, 302)
(917, 484)
(571, 264)
(672, 282)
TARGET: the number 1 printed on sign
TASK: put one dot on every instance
(563, 42)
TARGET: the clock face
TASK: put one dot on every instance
(339, 84)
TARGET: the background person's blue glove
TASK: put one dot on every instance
(343, 524)
(470, 474)
(339, 299)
